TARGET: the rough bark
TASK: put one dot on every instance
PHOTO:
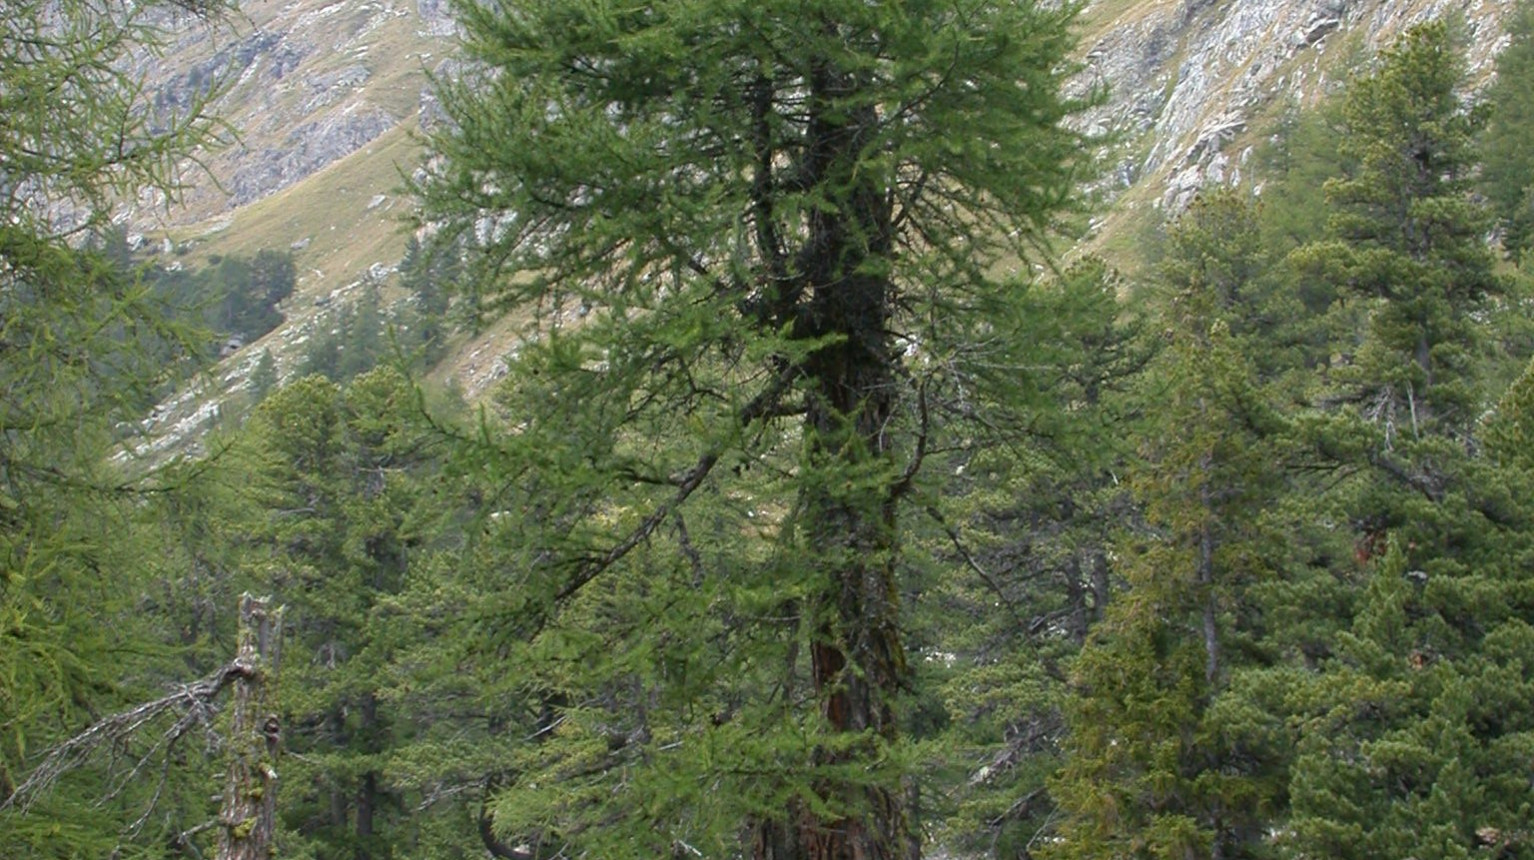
(1101, 585)
(857, 662)
(1206, 579)
(1076, 599)
(247, 819)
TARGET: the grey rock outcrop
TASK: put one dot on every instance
(435, 20)
(1187, 77)
(297, 84)
(306, 149)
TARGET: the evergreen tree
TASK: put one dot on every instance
(249, 290)
(273, 276)
(337, 480)
(429, 273)
(322, 352)
(362, 336)
(1408, 239)
(1152, 772)
(1031, 502)
(350, 341)
(779, 219)
(1509, 432)
(1400, 737)
(1301, 155)
(263, 377)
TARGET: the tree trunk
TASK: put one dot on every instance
(1205, 571)
(367, 792)
(367, 795)
(1101, 585)
(1076, 599)
(857, 662)
(248, 816)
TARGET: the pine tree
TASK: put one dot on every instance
(1152, 772)
(337, 478)
(430, 274)
(263, 377)
(1408, 240)
(778, 219)
(1507, 171)
(362, 335)
(1401, 699)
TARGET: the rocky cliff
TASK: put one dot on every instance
(323, 98)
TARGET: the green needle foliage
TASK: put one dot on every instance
(1404, 672)
(1408, 240)
(1152, 771)
(78, 136)
(337, 476)
(755, 246)
(809, 523)
(1030, 504)
(1507, 171)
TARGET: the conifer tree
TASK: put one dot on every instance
(1400, 703)
(1151, 770)
(78, 135)
(1030, 507)
(263, 377)
(1408, 237)
(779, 219)
(430, 273)
(362, 334)
(1507, 171)
(337, 479)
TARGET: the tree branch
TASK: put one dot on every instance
(194, 700)
(764, 405)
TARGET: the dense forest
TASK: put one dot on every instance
(831, 507)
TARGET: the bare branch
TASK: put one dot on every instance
(974, 565)
(194, 703)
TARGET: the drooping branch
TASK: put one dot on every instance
(763, 405)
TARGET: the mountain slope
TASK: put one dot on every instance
(326, 95)
(1190, 81)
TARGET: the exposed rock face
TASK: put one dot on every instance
(315, 80)
(435, 20)
(305, 84)
(306, 149)
(1186, 77)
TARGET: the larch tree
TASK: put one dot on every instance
(755, 246)
(1024, 538)
(80, 136)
